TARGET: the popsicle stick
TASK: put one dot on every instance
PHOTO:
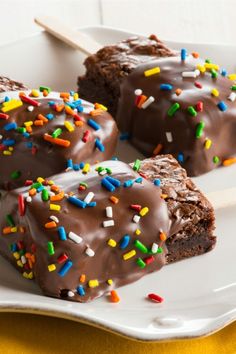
(223, 198)
(75, 39)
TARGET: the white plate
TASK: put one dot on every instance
(200, 293)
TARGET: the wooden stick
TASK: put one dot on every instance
(75, 39)
(223, 198)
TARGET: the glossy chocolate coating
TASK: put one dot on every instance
(34, 157)
(148, 127)
(107, 263)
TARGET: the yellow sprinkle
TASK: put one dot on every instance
(86, 168)
(40, 179)
(14, 229)
(55, 207)
(109, 281)
(10, 148)
(138, 232)
(50, 182)
(93, 283)
(144, 211)
(19, 263)
(13, 105)
(152, 71)
(201, 68)
(28, 124)
(129, 255)
(210, 66)
(69, 126)
(16, 255)
(6, 152)
(232, 76)
(100, 106)
(76, 96)
(30, 275)
(207, 144)
(35, 93)
(111, 242)
(10, 103)
(51, 267)
(215, 92)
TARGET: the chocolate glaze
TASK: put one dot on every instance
(43, 158)
(107, 262)
(148, 127)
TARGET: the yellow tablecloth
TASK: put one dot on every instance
(24, 334)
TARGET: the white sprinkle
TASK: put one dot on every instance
(23, 259)
(74, 237)
(232, 96)
(169, 137)
(108, 223)
(29, 199)
(197, 72)
(154, 247)
(1, 137)
(89, 197)
(70, 293)
(147, 103)
(138, 92)
(109, 212)
(189, 74)
(136, 218)
(30, 108)
(89, 252)
(103, 172)
(54, 218)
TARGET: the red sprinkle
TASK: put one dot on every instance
(198, 85)
(28, 182)
(20, 245)
(149, 260)
(29, 100)
(199, 106)
(4, 116)
(21, 204)
(34, 150)
(62, 258)
(155, 297)
(142, 175)
(77, 117)
(135, 207)
(86, 136)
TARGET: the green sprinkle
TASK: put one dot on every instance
(233, 88)
(214, 74)
(83, 184)
(216, 159)
(109, 171)
(57, 132)
(137, 165)
(44, 88)
(173, 109)
(45, 195)
(208, 61)
(160, 250)
(10, 220)
(21, 252)
(140, 263)
(192, 111)
(50, 248)
(21, 130)
(36, 185)
(15, 174)
(199, 129)
(140, 246)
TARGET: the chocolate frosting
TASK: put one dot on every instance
(32, 156)
(31, 237)
(148, 127)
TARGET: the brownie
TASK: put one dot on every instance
(42, 136)
(7, 84)
(82, 234)
(106, 69)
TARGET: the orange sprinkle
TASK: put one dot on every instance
(45, 93)
(96, 112)
(69, 110)
(54, 188)
(29, 129)
(114, 296)
(113, 199)
(164, 196)
(59, 108)
(41, 117)
(229, 161)
(21, 229)
(195, 55)
(65, 95)
(50, 225)
(157, 149)
(57, 197)
(38, 122)
(32, 192)
(82, 278)
(56, 141)
(162, 236)
(142, 100)
(79, 123)
(6, 230)
(178, 91)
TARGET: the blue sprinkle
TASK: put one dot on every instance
(223, 72)
(9, 142)
(76, 167)
(51, 103)
(70, 164)
(72, 93)
(93, 124)
(14, 247)
(81, 165)
(222, 106)
(26, 135)
(114, 181)
(29, 145)
(139, 180)
(7, 99)
(39, 189)
(49, 116)
(180, 157)
(70, 104)
(166, 87)
(80, 290)
(109, 186)
(99, 145)
(157, 182)
(10, 126)
(128, 183)
(114, 158)
(77, 202)
(91, 204)
(183, 54)
(124, 136)
(77, 102)
(124, 241)
(62, 233)
(65, 268)
(81, 109)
